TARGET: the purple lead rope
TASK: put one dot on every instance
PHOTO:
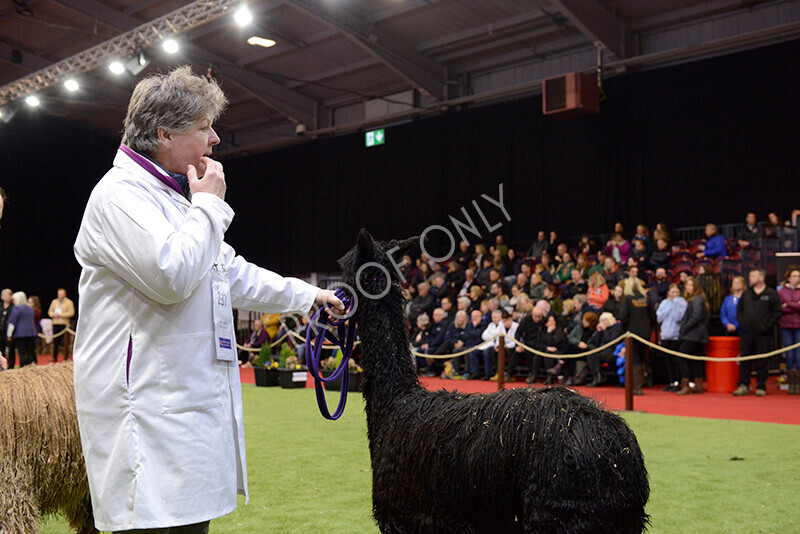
(345, 339)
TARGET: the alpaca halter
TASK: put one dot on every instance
(347, 334)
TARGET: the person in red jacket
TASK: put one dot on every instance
(789, 293)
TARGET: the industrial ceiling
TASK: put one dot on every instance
(340, 66)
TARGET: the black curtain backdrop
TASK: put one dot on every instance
(689, 144)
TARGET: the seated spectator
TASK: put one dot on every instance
(751, 233)
(500, 246)
(454, 278)
(462, 303)
(456, 339)
(514, 262)
(567, 311)
(612, 273)
(619, 229)
(716, 246)
(419, 338)
(424, 302)
(587, 245)
(551, 296)
(618, 248)
(499, 263)
(539, 246)
(608, 329)
(447, 305)
(469, 281)
(439, 288)
(643, 235)
(669, 314)
(498, 291)
(476, 296)
(464, 256)
(524, 304)
(660, 284)
(556, 258)
(480, 254)
(582, 264)
(543, 269)
(489, 353)
(537, 287)
(562, 273)
(436, 339)
(597, 291)
(662, 232)
(600, 266)
(576, 285)
(553, 340)
(612, 304)
(727, 312)
(424, 273)
(661, 257)
(523, 283)
(256, 339)
(494, 276)
(577, 342)
(640, 254)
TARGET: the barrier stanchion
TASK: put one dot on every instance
(629, 374)
(501, 364)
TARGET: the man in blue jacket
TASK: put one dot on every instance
(716, 246)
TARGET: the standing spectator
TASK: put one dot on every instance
(790, 325)
(711, 287)
(693, 337)
(8, 306)
(773, 226)
(618, 248)
(716, 246)
(21, 331)
(61, 311)
(751, 233)
(727, 312)
(539, 246)
(759, 311)
(256, 339)
(636, 315)
(669, 314)
(661, 257)
(36, 303)
(597, 291)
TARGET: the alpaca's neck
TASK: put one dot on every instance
(385, 357)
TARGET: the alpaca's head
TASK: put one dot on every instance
(373, 266)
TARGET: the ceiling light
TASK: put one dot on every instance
(116, 67)
(71, 85)
(242, 16)
(137, 62)
(260, 41)
(32, 101)
(170, 46)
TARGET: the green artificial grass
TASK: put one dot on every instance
(307, 474)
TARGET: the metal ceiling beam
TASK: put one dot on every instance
(598, 24)
(297, 107)
(491, 31)
(424, 73)
(143, 35)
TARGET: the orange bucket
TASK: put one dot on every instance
(722, 377)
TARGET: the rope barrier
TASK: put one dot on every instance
(708, 358)
(53, 336)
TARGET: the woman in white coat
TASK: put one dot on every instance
(156, 375)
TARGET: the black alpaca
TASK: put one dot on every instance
(522, 460)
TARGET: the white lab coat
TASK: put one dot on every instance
(163, 438)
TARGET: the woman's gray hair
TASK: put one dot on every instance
(174, 102)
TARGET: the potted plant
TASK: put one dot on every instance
(290, 373)
(265, 369)
(329, 365)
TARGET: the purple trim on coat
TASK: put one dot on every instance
(147, 165)
(128, 364)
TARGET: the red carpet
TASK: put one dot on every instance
(777, 407)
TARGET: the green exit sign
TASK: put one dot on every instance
(375, 137)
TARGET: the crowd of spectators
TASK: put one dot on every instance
(21, 324)
(566, 298)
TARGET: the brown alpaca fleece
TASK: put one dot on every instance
(41, 463)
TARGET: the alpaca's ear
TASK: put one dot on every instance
(403, 246)
(365, 244)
